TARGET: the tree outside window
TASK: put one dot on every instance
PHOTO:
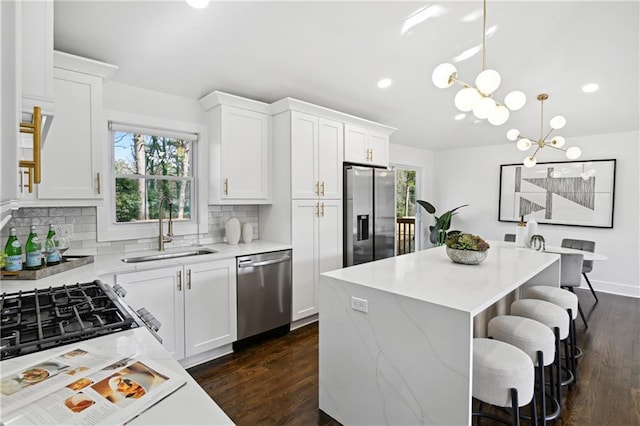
(147, 167)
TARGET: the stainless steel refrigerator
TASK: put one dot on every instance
(369, 214)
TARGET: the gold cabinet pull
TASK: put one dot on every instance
(317, 187)
(179, 280)
(371, 159)
(98, 182)
(35, 129)
(322, 210)
(226, 186)
(29, 185)
(318, 209)
(322, 188)
(189, 279)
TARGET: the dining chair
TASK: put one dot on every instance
(587, 265)
(570, 268)
(510, 238)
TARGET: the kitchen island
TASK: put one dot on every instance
(396, 334)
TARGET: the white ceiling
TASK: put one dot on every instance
(333, 54)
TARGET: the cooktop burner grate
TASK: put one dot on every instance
(41, 319)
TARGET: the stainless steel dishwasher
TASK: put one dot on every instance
(264, 294)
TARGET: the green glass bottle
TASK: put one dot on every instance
(51, 247)
(33, 250)
(13, 250)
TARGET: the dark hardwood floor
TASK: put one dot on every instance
(276, 382)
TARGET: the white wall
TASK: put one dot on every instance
(422, 160)
(472, 176)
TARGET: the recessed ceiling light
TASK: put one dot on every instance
(460, 116)
(589, 88)
(384, 83)
(198, 4)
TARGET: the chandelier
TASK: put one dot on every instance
(557, 142)
(478, 99)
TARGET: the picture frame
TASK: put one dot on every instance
(570, 193)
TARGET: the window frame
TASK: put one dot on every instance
(107, 227)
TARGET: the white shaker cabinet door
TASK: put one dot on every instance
(304, 267)
(330, 155)
(72, 152)
(244, 154)
(209, 305)
(330, 236)
(304, 146)
(379, 146)
(356, 147)
(161, 292)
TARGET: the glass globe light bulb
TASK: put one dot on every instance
(529, 161)
(488, 81)
(557, 122)
(573, 153)
(557, 141)
(499, 115)
(513, 134)
(523, 144)
(467, 98)
(515, 100)
(441, 76)
(483, 108)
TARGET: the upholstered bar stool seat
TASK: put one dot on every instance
(554, 317)
(502, 376)
(536, 340)
(566, 300)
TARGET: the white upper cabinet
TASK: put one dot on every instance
(316, 157)
(73, 161)
(365, 146)
(239, 151)
(10, 105)
(37, 55)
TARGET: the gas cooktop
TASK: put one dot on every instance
(40, 319)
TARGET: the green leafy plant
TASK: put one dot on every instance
(463, 241)
(438, 232)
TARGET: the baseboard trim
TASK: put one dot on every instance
(613, 288)
(304, 321)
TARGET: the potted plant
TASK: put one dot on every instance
(438, 232)
(466, 248)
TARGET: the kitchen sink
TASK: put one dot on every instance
(171, 255)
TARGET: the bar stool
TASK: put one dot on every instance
(502, 376)
(536, 340)
(557, 320)
(569, 302)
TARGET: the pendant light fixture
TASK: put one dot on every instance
(557, 142)
(479, 98)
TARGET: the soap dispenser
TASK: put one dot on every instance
(521, 233)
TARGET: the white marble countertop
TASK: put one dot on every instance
(189, 405)
(430, 276)
(112, 264)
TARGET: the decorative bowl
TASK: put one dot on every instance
(467, 257)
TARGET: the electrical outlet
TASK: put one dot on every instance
(65, 230)
(361, 305)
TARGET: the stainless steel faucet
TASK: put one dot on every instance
(161, 237)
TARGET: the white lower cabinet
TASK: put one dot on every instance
(317, 248)
(195, 303)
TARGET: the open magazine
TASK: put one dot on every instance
(81, 387)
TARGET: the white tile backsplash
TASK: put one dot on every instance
(83, 221)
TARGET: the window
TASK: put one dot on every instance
(147, 165)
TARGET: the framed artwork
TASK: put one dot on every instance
(575, 193)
